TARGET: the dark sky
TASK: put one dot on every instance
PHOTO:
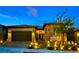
(35, 15)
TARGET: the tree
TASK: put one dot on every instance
(68, 24)
(67, 21)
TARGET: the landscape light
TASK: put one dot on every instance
(75, 43)
(62, 47)
(48, 43)
(31, 43)
(36, 45)
(55, 45)
(68, 42)
(69, 48)
(72, 42)
(55, 48)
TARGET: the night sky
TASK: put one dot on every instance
(35, 15)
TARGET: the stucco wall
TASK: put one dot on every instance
(51, 34)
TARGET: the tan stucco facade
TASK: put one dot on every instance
(48, 33)
(52, 35)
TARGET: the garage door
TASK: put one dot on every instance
(21, 36)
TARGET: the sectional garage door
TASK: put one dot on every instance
(21, 36)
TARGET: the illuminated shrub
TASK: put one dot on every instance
(30, 46)
(67, 47)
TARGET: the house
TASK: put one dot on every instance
(48, 32)
(35, 33)
(54, 32)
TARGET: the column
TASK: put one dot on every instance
(33, 37)
(9, 36)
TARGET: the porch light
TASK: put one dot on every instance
(40, 32)
(78, 49)
(1, 41)
(78, 34)
(37, 32)
(33, 34)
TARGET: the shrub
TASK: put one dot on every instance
(50, 48)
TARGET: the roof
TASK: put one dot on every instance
(53, 23)
(20, 26)
(76, 29)
(3, 26)
(25, 26)
(39, 27)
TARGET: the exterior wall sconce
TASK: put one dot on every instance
(78, 34)
(77, 49)
(1, 41)
(40, 32)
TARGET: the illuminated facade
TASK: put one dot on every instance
(54, 32)
(49, 32)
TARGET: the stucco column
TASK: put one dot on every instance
(33, 37)
(9, 36)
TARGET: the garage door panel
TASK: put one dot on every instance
(21, 36)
